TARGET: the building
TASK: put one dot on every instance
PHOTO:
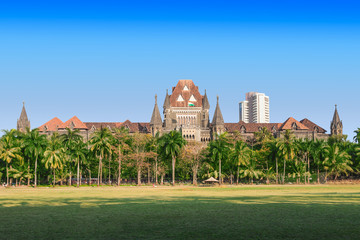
(187, 111)
(255, 108)
(184, 110)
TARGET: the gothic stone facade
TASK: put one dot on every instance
(187, 111)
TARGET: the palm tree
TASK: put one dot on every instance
(19, 174)
(35, 144)
(357, 135)
(305, 147)
(54, 155)
(317, 153)
(240, 156)
(123, 144)
(101, 145)
(153, 146)
(171, 145)
(286, 149)
(10, 150)
(219, 149)
(70, 140)
(80, 153)
(273, 155)
(337, 161)
(250, 169)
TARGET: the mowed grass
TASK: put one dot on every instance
(244, 212)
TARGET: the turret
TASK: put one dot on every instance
(217, 123)
(205, 102)
(336, 126)
(23, 122)
(155, 122)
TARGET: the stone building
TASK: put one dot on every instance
(187, 111)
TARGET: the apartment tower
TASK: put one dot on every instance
(255, 108)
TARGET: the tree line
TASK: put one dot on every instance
(118, 157)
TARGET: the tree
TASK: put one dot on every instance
(219, 150)
(337, 161)
(153, 146)
(10, 150)
(171, 145)
(35, 145)
(304, 147)
(317, 152)
(80, 153)
(193, 154)
(54, 155)
(101, 145)
(273, 155)
(71, 139)
(286, 149)
(123, 143)
(357, 135)
(239, 156)
(139, 153)
(250, 169)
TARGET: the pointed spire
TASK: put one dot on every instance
(336, 118)
(218, 117)
(167, 100)
(23, 114)
(156, 117)
(205, 103)
(23, 122)
(336, 126)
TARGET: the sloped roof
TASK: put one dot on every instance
(312, 125)
(287, 125)
(185, 94)
(218, 117)
(250, 127)
(336, 118)
(205, 102)
(76, 121)
(51, 125)
(23, 115)
(156, 117)
(136, 126)
(99, 125)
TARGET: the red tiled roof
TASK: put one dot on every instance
(312, 126)
(132, 126)
(287, 125)
(76, 121)
(136, 126)
(98, 125)
(186, 94)
(250, 127)
(51, 125)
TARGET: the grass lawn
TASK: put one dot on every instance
(244, 212)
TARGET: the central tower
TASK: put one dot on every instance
(187, 111)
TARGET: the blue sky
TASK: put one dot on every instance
(105, 60)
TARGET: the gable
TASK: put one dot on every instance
(192, 99)
(180, 99)
(185, 92)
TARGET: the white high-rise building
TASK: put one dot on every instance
(255, 109)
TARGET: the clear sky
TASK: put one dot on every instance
(105, 60)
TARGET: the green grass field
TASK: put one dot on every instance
(245, 212)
